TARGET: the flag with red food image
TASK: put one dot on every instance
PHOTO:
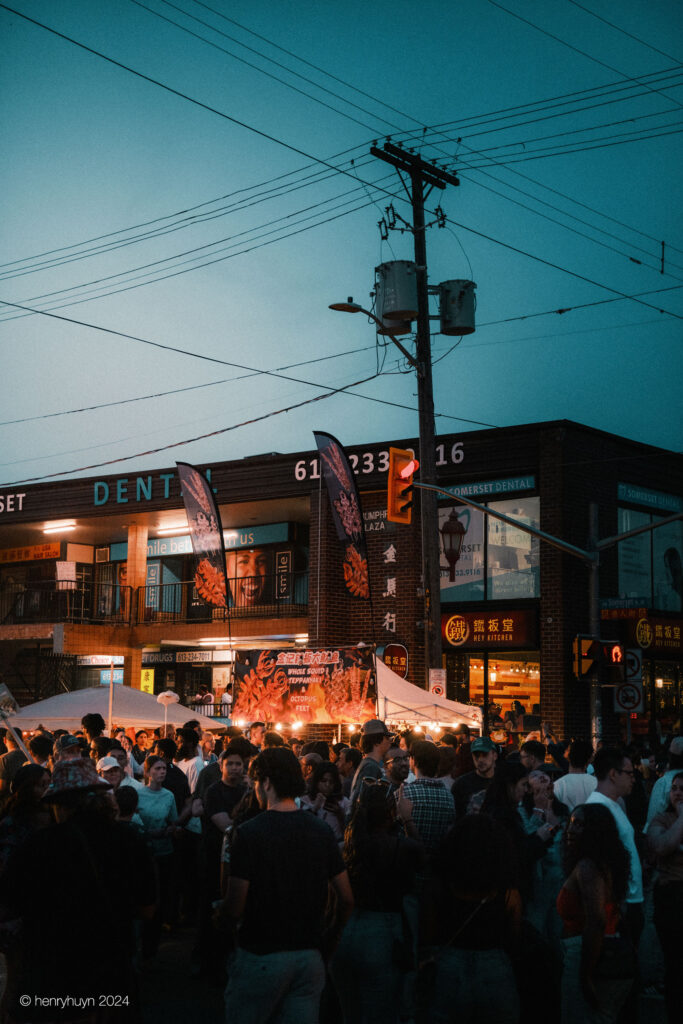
(206, 533)
(346, 513)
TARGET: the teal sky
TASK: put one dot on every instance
(564, 130)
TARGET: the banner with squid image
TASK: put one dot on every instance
(206, 532)
(346, 513)
(326, 686)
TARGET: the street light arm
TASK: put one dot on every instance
(353, 307)
(609, 542)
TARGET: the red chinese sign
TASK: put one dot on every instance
(490, 629)
(395, 657)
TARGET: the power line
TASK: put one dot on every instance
(617, 28)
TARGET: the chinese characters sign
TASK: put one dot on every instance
(507, 629)
(305, 686)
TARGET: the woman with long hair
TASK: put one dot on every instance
(473, 915)
(157, 809)
(376, 948)
(540, 806)
(665, 838)
(597, 866)
(324, 798)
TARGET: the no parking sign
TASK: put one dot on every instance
(628, 696)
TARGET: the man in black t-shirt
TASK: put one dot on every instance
(282, 862)
(484, 754)
(220, 801)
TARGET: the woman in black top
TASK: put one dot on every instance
(376, 947)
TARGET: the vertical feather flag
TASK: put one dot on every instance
(206, 532)
(346, 512)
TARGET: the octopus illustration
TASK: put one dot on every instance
(210, 583)
(356, 573)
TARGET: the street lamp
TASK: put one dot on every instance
(452, 534)
(388, 327)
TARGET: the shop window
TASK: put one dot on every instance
(651, 564)
(495, 560)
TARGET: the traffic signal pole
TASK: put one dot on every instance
(421, 173)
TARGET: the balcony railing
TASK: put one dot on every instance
(275, 595)
(62, 601)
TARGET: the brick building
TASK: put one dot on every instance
(111, 584)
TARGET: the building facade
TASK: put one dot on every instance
(109, 589)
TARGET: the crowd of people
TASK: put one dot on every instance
(396, 877)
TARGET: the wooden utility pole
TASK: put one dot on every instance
(421, 175)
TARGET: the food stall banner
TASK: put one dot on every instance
(346, 513)
(287, 686)
(206, 532)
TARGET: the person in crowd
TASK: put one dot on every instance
(532, 755)
(447, 759)
(309, 763)
(502, 802)
(207, 748)
(109, 769)
(597, 867)
(406, 738)
(93, 726)
(257, 730)
(397, 766)
(484, 755)
(335, 751)
(273, 738)
(375, 741)
(665, 839)
(463, 761)
(141, 747)
(127, 803)
(133, 767)
(175, 780)
(577, 785)
(614, 773)
(278, 971)
(317, 747)
(100, 747)
(433, 810)
(85, 860)
(203, 696)
(11, 762)
(24, 812)
(190, 839)
(324, 797)
(540, 805)
(157, 810)
(40, 748)
(128, 781)
(296, 745)
(65, 747)
(349, 759)
(376, 948)
(659, 797)
(472, 917)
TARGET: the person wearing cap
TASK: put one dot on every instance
(86, 862)
(66, 747)
(659, 797)
(119, 755)
(375, 742)
(109, 769)
(484, 755)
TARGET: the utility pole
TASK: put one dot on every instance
(420, 174)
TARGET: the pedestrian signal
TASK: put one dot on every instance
(402, 465)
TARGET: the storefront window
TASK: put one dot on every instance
(514, 682)
(651, 564)
(665, 694)
(496, 560)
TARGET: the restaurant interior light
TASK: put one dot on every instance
(180, 528)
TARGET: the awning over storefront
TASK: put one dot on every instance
(130, 708)
(399, 700)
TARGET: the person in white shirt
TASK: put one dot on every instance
(659, 797)
(576, 786)
(615, 775)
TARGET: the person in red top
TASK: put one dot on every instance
(597, 864)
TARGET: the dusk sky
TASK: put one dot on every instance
(208, 203)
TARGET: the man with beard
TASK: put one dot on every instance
(397, 764)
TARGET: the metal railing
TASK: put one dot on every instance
(274, 595)
(60, 601)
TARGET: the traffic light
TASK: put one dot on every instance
(608, 656)
(402, 465)
(584, 659)
(611, 659)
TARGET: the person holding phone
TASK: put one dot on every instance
(324, 797)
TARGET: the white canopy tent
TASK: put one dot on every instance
(129, 708)
(399, 700)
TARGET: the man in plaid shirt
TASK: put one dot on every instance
(433, 808)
